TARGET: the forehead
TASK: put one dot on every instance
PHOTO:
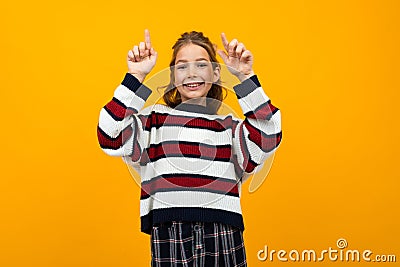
(191, 52)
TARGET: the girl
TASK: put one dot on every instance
(191, 160)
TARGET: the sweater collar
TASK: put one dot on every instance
(196, 108)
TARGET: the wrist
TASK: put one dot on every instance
(139, 76)
(243, 77)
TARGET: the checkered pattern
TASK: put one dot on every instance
(197, 244)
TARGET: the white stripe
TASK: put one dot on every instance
(253, 100)
(110, 126)
(175, 133)
(268, 127)
(159, 108)
(147, 110)
(162, 200)
(182, 165)
(133, 164)
(256, 153)
(128, 98)
(237, 149)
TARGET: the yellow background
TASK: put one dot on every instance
(331, 67)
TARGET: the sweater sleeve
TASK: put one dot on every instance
(119, 130)
(259, 134)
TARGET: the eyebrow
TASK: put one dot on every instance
(198, 59)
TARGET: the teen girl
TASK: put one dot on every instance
(191, 160)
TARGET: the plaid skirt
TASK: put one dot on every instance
(197, 244)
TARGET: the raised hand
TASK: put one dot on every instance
(237, 58)
(142, 58)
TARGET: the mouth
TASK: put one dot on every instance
(193, 85)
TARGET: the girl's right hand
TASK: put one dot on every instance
(142, 58)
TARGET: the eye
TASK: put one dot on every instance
(202, 65)
(181, 66)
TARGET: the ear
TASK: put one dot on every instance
(217, 74)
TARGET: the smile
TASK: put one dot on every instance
(193, 85)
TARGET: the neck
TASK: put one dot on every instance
(196, 101)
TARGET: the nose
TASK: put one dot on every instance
(191, 70)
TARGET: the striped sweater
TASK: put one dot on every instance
(192, 163)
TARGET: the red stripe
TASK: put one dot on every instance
(242, 146)
(117, 110)
(165, 120)
(136, 151)
(264, 112)
(144, 119)
(248, 164)
(143, 193)
(114, 143)
(265, 142)
(234, 125)
(188, 183)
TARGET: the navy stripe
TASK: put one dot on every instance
(131, 82)
(190, 214)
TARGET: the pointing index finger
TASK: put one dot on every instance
(147, 38)
(224, 41)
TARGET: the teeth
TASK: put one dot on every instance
(193, 84)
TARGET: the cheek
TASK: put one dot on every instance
(207, 88)
(178, 78)
(209, 75)
(179, 89)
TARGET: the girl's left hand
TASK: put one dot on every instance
(237, 58)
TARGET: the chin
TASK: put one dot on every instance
(192, 94)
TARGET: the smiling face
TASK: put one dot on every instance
(193, 72)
